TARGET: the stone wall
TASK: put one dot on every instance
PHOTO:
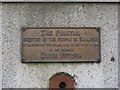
(119, 44)
(60, 0)
(0, 45)
(87, 75)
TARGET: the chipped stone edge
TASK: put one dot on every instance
(59, 0)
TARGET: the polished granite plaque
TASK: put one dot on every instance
(47, 44)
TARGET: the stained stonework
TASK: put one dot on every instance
(0, 45)
(59, 0)
(87, 75)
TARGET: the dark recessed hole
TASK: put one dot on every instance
(112, 59)
(62, 85)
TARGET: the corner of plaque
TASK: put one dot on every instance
(98, 29)
(22, 60)
(98, 60)
(24, 29)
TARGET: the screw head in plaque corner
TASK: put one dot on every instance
(98, 29)
(23, 29)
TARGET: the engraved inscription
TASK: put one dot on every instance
(60, 45)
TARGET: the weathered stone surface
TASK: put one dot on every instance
(87, 75)
(59, 0)
(0, 45)
(119, 44)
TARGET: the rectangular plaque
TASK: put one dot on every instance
(61, 44)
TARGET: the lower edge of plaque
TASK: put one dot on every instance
(24, 61)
